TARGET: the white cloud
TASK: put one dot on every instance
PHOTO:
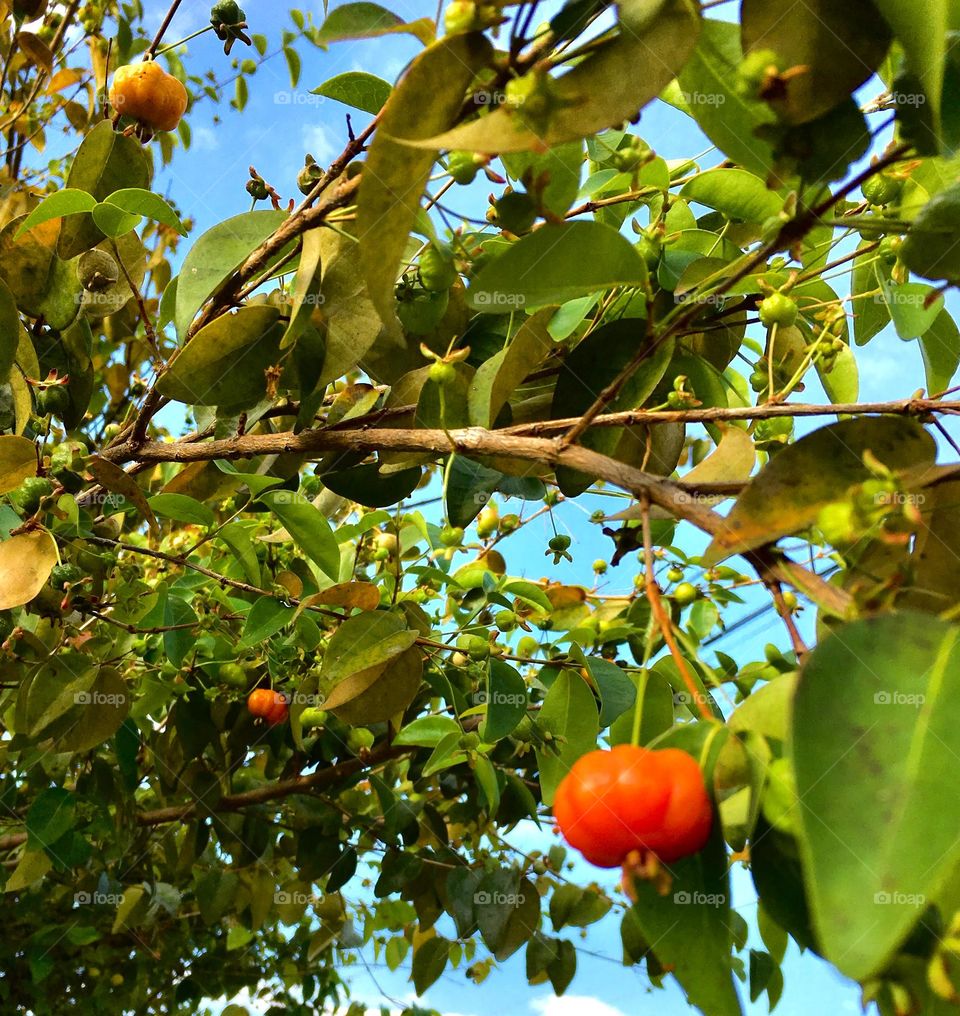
(204, 139)
(573, 1005)
(318, 140)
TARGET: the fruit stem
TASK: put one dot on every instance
(186, 38)
(666, 627)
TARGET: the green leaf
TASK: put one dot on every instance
(553, 176)
(736, 193)
(610, 85)
(429, 962)
(569, 712)
(304, 296)
(292, 58)
(395, 175)
(930, 248)
(49, 817)
(555, 264)
(26, 561)
(689, 928)
(508, 911)
(363, 642)
(31, 867)
(10, 333)
(387, 695)
(368, 21)
(113, 221)
(878, 832)
(68, 201)
(617, 692)
(870, 312)
(138, 201)
(215, 255)
(308, 527)
(506, 700)
(18, 461)
(940, 345)
(788, 493)
(267, 616)
(358, 89)
(107, 161)
(913, 307)
(839, 44)
(921, 28)
(728, 120)
(100, 716)
(841, 381)
(178, 644)
(181, 508)
(499, 377)
(427, 731)
(224, 362)
(366, 485)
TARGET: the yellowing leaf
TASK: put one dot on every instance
(26, 561)
(18, 460)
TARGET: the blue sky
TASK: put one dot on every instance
(275, 131)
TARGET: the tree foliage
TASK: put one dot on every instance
(302, 451)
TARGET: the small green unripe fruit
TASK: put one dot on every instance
(600, 566)
(437, 272)
(312, 716)
(469, 742)
(506, 620)
(487, 521)
(463, 166)
(558, 544)
(460, 660)
(55, 400)
(63, 575)
(116, 980)
(451, 536)
(28, 495)
(460, 16)
(360, 738)
(790, 599)
(508, 523)
(226, 12)
(516, 212)
(232, 675)
(675, 575)
(685, 594)
(442, 373)
(528, 646)
(881, 189)
(476, 647)
(778, 309)
(387, 542)
(94, 972)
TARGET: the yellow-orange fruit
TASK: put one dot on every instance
(146, 92)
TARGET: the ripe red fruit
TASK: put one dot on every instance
(629, 798)
(268, 705)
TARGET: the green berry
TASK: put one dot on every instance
(516, 212)
(506, 620)
(232, 675)
(882, 189)
(28, 495)
(475, 646)
(360, 738)
(558, 544)
(778, 309)
(55, 400)
(685, 594)
(675, 575)
(62, 575)
(463, 166)
(226, 12)
(451, 536)
(442, 373)
(508, 523)
(600, 566)
(313, 717)
(437, 272)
